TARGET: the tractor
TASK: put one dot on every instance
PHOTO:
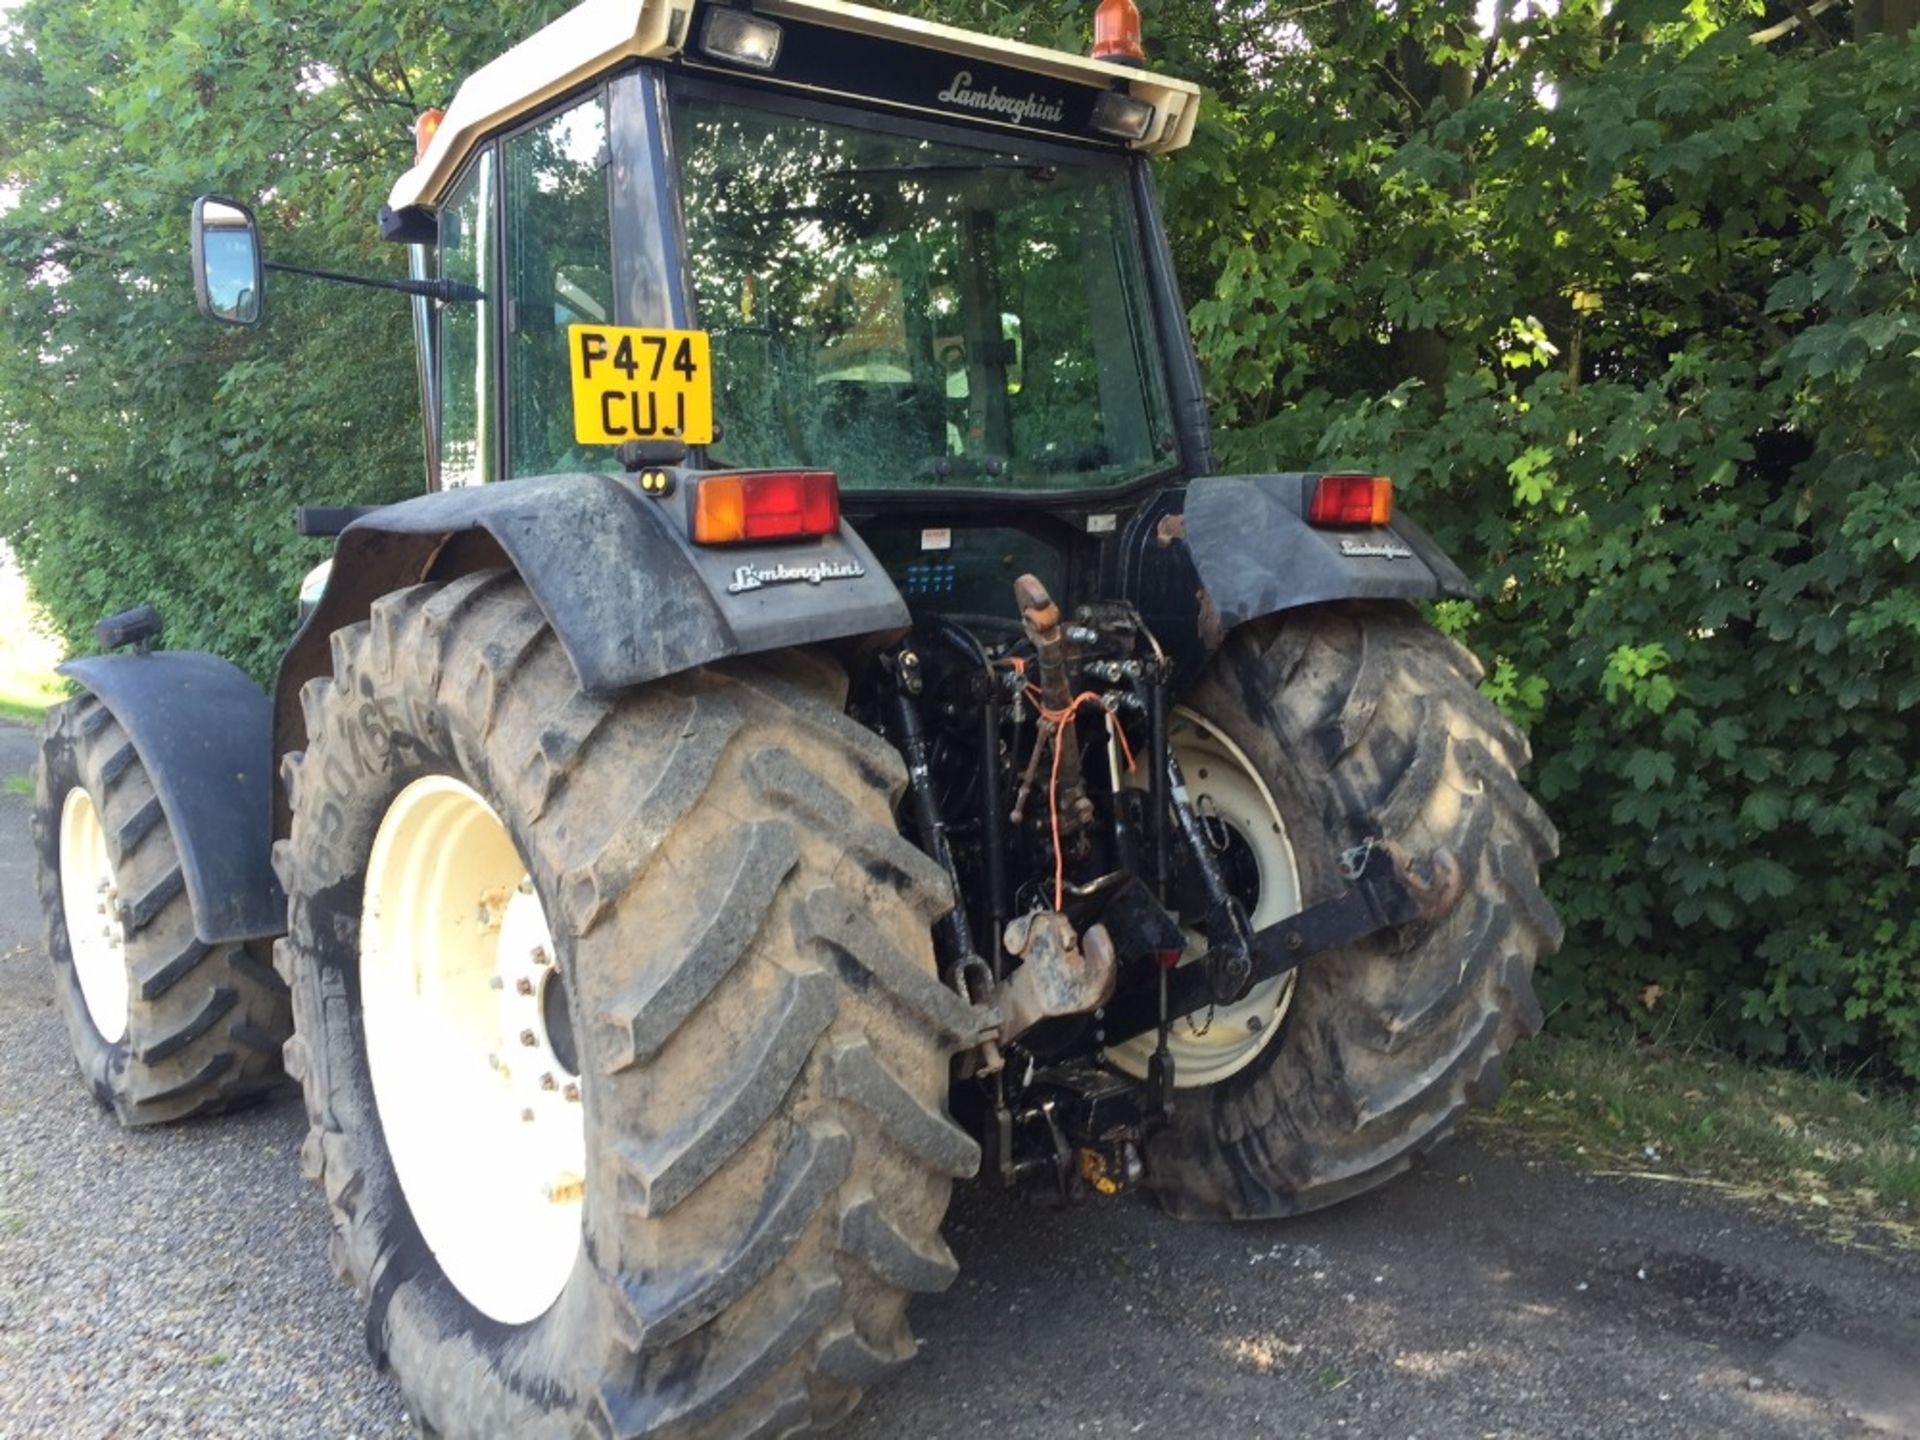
(826, 732)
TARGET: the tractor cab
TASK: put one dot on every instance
(806, 236)
(919, 259)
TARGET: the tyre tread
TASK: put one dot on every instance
(684, 828)
(179, 1056)
(1413, 1029)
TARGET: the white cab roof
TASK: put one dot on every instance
(597, 35)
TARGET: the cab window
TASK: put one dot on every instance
(559, 254)
(466, 330)
(915, 312)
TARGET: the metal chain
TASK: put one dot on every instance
(1353, 862)
(1208, 813)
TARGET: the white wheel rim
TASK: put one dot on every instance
(484, 1122)
(90, 901)
(1223, 785)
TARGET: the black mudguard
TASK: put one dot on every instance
(204, 733)
(629, 596)
(1236, 547)
(1257, 555)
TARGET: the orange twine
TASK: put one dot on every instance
(1060, 719)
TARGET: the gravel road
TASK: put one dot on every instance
(175, 1283)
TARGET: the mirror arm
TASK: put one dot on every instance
(446, 290)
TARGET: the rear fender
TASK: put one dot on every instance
(1257, 555)
(204, 733)
(630, 597)
(1239, 547)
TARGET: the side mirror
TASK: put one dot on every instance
(228, 281)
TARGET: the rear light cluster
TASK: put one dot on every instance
(1351, 501)
(765, 505)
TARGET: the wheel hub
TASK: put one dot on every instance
(1239, 815)
(90, 904)
(470, 1049)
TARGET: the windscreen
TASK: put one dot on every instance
(917, 313)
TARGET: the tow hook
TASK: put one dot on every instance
(1061, 972)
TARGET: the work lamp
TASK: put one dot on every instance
(1122, 116)
(736, 37)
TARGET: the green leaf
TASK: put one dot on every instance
(1760, 878)
(1648, 768)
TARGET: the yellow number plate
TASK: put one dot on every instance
(640, 385)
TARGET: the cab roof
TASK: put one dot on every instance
(594, 37)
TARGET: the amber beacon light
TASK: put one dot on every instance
(425, 127)
(1116, 33)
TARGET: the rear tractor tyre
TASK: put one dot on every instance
(163, 1026)
(1318, 730)
(623, 1051)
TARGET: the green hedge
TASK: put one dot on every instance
(1625, 301)
(146, 454)
(1631, 316)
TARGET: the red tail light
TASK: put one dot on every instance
(765, 505)
(1116, 33)
(1351, 500)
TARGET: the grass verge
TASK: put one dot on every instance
(22, 712)
(1831, 1151)
(28, 652)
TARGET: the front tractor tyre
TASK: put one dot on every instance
(1313, 733)
(163, 1025)
(622, 1046)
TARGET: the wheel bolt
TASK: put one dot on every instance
(523, 986)
(540, 956)
(527, 1037)
(1255, 1024)
(526, 1115)
(572, 1092)
(547, 1082)
(496, 983)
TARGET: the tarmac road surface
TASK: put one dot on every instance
(175, 1283)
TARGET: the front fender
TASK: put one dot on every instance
(203, 731)
(630, 597)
